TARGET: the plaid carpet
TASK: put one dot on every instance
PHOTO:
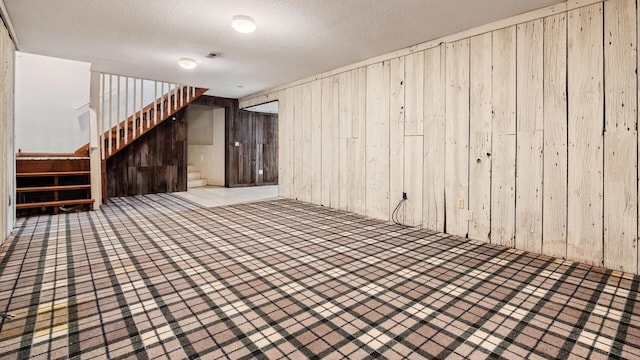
(159, 277)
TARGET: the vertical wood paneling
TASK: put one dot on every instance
(9, 54)
(480, 137)
(244, 132)
(554, 212)
(285, 136)
(305, 121)
(154, 163)
(270, 149)
(377, 141)
(620, 136)
(503, 127)
(4, 120)
(413, 180)
(530, 142)
(586, 113)
(457, 138)
(434, 116)
(331, 142)
(511, 122)
(359, 86)
(257, 137)
(297, 142)
(396, 135)
(638, 104)
(413, 141)
(316, 142)
(414, 94)
(258, 144)
(328, 139)
(345, 120)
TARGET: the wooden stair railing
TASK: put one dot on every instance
(138, 124)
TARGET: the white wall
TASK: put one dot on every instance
(205, 142)
(521, 134)
(51, 97)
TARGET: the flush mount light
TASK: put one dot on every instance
(243, 24)
(187, 63)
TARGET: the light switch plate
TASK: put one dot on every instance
(260, 172)
(237, 143)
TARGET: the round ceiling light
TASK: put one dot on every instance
(243, 24)
(187, 63)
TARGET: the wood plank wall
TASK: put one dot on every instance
(154, 163)
(257, 135)
(258, 143)
(7, 152)
(524, 136)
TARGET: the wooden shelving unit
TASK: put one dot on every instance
(49, 183)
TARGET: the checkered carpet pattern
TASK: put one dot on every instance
(156, 276)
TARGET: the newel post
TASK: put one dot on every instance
(95, 157)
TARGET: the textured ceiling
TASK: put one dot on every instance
(294, 39)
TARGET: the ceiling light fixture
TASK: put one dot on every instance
(187, 63)
(243, 24)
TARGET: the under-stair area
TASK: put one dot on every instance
(52, 183)
(194, 177)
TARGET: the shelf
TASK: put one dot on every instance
(53, 188)
(56, 203)
(53, 173)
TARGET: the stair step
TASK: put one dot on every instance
(191, 168)
(196, 183)
(53, 188)
(35, 205)
(194, 175)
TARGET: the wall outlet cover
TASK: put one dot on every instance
(237, 143)
(260, 172)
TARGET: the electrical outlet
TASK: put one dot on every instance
(469, 215)
(404, 195)
(237, 143)
(460, 203)
(387, 194)
(260, 172)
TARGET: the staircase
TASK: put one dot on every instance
(118, 136)
(194, 177)
(123, 98)
(50, 183)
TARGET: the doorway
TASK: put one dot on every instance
(206, 145)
